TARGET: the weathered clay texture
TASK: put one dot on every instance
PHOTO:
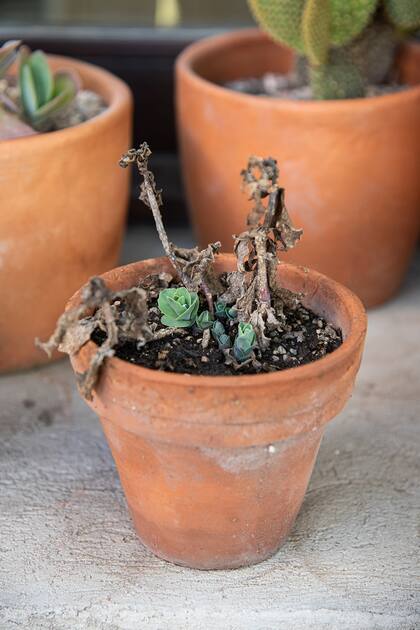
(63, 202)
(70, 559)
(187, 505)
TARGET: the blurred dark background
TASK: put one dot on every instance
(138, 40)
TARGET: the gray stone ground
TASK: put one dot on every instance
(70, 560)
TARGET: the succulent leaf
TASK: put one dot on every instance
(244, 343)
(65, 89)
(28, 93)
(224, 342)
(220, 309)
(179, 307)
(8, 54)
(219, 334)
(204, 320)
(42, 76)
(231, 313)
(404, 14)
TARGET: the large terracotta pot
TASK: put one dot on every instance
(409, 63)
(63, 202)
(215, 468)
(350, 168)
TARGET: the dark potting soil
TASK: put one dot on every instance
(306, 338)
(285, 86)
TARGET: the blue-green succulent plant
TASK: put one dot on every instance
(179, 307)
(244, 342)
(204, 320)
(223, 311)
(231, 313)
(220, 309)
(219, 334)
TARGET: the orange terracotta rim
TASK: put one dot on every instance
(350, 303)
(113, 90)
(187, 61)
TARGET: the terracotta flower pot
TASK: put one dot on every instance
(350, 168)
(63, 202)
(409, 63)
(215, 468)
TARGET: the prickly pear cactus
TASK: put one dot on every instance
(283, 19)
(331, 34)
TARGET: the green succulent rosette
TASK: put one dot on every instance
(179, 307)
(244, 342)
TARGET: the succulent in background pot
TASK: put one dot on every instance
(350, 162)
(214, 468)
(63, 201)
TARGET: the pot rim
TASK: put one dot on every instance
(113, 90)
(356, 314)
(212, 45)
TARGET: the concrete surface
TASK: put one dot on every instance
(69, 558)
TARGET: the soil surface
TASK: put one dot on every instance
(285, 86)
(305, 337)
(86, 105)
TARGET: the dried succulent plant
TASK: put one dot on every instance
(250, 296)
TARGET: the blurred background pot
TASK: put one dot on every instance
(409, 62)
(350, 168)
(63, 203)
(215, 468)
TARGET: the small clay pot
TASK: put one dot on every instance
(63, 203)
(350, 168)
(215, 468)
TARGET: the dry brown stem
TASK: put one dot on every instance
(194, 267)
(254, 286)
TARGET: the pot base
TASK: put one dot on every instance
(213, 508)
(214, 563)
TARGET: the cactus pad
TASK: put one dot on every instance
(349, 18)
(316, 30)
(404, 14)
(282, 19)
